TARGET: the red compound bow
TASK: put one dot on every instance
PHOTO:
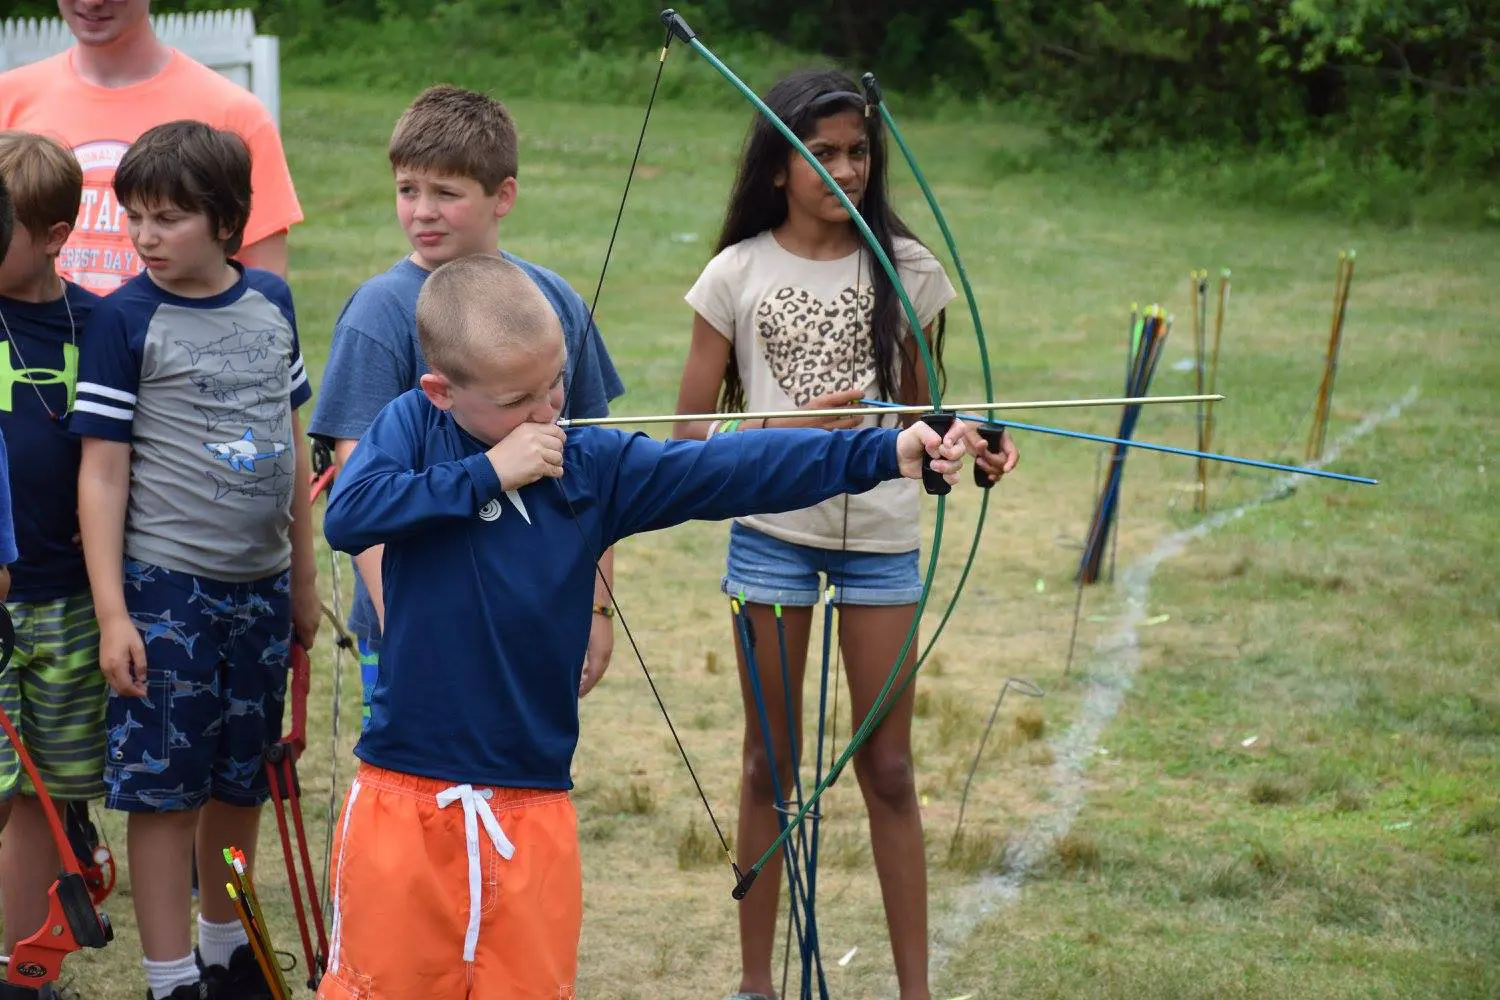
(72, 921)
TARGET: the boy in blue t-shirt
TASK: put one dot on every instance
(461, 795)
(52, 690)
(197, 533)
(453, 154)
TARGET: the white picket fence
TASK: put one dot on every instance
(223, 40)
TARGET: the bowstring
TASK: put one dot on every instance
(573, 514)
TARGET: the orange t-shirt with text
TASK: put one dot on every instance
(100, 123)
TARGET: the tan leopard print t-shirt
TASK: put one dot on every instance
(801, 329)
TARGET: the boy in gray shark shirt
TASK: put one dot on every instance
(195, 515)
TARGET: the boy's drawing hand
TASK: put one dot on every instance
(307, 611)
(825, 421)
(528, 453)
(947, 451)
(122, 656)
(995, 463)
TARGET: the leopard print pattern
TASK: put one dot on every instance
(814, 347)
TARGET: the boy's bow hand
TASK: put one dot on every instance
(528, 453)
(947, 450)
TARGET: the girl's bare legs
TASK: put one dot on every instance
(870, 637)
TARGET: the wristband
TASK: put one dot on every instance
(604, 610)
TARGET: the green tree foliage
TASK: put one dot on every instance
(1413, 84)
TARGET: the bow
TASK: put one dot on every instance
(678, 28)
(73, 922)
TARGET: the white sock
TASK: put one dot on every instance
(164, 977)
(216, 942)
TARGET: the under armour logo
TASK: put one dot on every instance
(11, 376)
(491, 511)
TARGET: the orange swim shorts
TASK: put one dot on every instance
(453, 891)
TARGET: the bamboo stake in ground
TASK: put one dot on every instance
(1344, 276)
(1199, 284)
(1213, 380)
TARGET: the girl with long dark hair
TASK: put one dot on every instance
(794, 312)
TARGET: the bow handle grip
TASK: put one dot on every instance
(992, 436)
(933, 482)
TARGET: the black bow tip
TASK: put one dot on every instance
(677, 26)
(745, 882)
(872, 88)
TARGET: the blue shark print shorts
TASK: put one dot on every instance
(216, 674)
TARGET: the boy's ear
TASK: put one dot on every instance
(438, 389)
(505, 197)
(57, 235)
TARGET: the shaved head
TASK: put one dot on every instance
(476, 310)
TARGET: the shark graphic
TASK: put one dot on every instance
(246, 707)
(241, 453)
(138, 574)
(252, 345)
(284, 583)
(278, 484)
(192, 689)
(215, 417)
(119, 734)
(275, 652)
(255, 607)
(172, 798)
(228, 382)
(148, 765)
(240, 771)
(218, 610)
(162, 626)
(176, 740)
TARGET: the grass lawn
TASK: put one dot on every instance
(1351, 849)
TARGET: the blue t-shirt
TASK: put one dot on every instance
(203, 390)
(38, 377)
(490, 591)
(376, 357)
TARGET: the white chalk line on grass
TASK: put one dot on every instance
(1112, 669)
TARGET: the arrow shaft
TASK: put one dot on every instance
(1168, 449)
(880, 409)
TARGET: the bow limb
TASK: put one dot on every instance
(679, 28)
(877, 100)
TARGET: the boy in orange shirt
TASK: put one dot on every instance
(101, 95)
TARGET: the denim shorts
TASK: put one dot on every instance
(766, 570)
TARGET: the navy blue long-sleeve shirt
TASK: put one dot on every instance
(489, 592)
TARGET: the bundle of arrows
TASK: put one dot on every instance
(1148, 333)
(1342, 278)
(247, 908)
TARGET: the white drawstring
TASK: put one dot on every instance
(476, 805)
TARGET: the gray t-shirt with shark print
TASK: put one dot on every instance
(203, 390)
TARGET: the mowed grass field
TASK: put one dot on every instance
(1350, 849)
